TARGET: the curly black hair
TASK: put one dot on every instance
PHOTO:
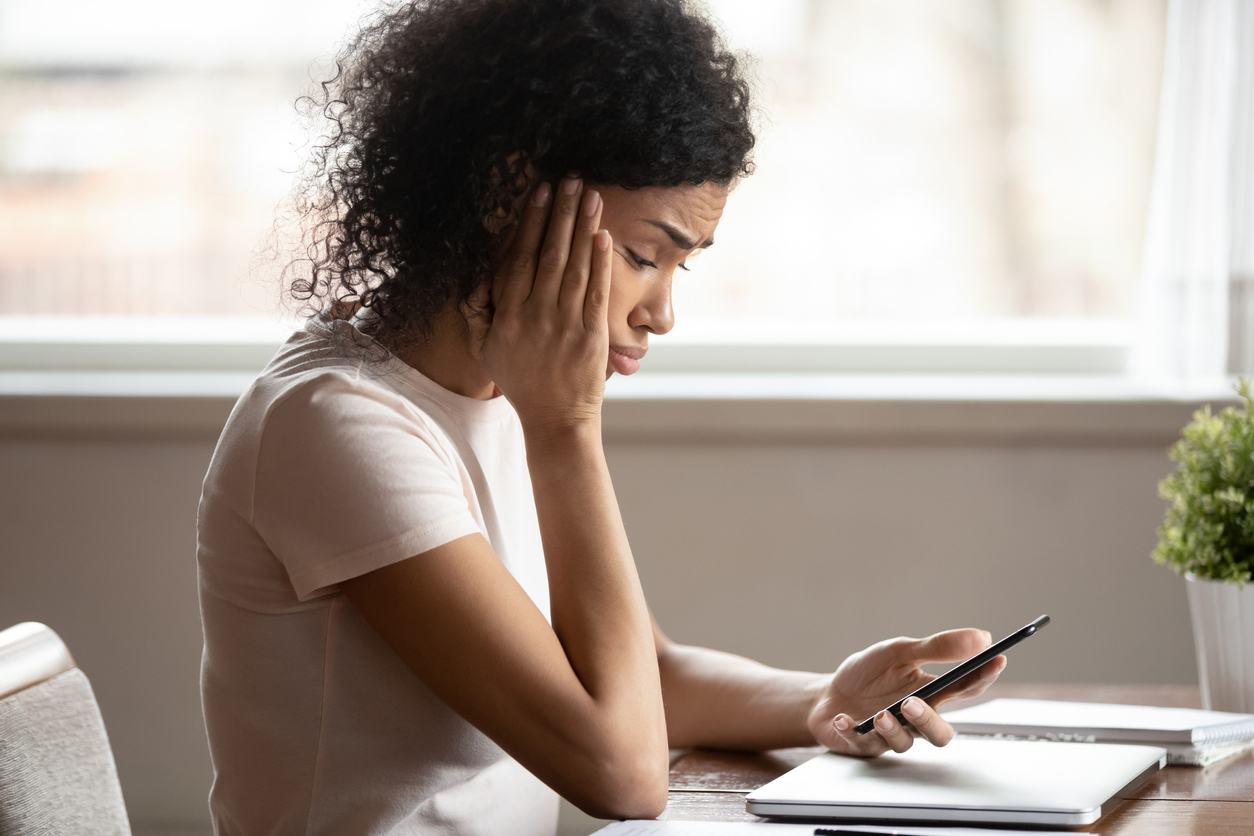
(439, 110)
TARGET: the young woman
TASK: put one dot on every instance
(421, 610)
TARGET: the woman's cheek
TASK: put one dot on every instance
(621, 302)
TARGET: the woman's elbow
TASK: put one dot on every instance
(623, 802)
(630, 786)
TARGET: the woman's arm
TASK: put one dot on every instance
(724, 701)
(577, 703)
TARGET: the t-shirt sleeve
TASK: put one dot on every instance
(349, 480)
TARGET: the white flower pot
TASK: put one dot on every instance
(1223, 633)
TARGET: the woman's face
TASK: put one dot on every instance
(654, 231)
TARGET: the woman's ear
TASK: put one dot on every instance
(523, 178)
(498, 222)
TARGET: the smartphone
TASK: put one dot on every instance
(948, 678)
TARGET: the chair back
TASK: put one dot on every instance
(57, 776)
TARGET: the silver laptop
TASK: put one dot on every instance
(970, 780)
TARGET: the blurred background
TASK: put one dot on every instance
(957, 160)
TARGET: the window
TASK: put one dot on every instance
(924, 169)
(940, 161)
(143, 149)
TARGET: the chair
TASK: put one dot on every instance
(57, 776)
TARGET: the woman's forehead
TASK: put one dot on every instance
(688, 214)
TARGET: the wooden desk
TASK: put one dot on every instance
(1179, 800)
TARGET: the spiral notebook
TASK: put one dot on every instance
(1190, 736)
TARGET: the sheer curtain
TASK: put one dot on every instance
(1196, 310)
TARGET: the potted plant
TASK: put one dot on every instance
(1208, 536)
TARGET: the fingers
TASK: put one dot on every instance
(888, 734)
(971, 685)
(555, 252)
(924, 719)
(514, 283)
(893, 732)
(843, 738)
(566, 266)
(596, 301)
(578, 265)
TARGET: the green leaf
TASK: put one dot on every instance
(1208, 529)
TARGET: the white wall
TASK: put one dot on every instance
(791, 551)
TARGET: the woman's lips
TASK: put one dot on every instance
(626, 359)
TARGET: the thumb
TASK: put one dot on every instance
(950, 646)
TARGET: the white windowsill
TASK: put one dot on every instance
(102, 344)
(1002, 384)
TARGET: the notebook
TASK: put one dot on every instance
(1190, 736)
(970, 781)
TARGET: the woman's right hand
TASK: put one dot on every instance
(545, 342)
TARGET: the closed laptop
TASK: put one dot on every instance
(970, 780)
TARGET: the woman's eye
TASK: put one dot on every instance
(641, 262)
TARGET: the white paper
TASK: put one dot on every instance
(1058, 713)
(713, 828)
(1103, 722)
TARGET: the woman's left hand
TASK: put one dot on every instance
(882, 674)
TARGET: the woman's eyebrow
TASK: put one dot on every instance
(679, 237)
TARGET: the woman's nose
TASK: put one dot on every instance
(654, 312)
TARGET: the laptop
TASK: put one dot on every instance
(976, 781)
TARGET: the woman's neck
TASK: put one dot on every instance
(445, 357)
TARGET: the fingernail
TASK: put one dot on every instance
(590, 202)
(842, 723)
(884, 721)
(988, 637)
(570, 185)
(603, 240)
(912, 708)
(540, 197)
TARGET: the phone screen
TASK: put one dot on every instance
(951, 676)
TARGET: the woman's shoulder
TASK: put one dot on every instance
(311, 406)
(318, 385)
(327, 362)
(328, 392)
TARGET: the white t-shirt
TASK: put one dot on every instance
(329, 467)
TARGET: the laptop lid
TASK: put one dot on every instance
(976, 781)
